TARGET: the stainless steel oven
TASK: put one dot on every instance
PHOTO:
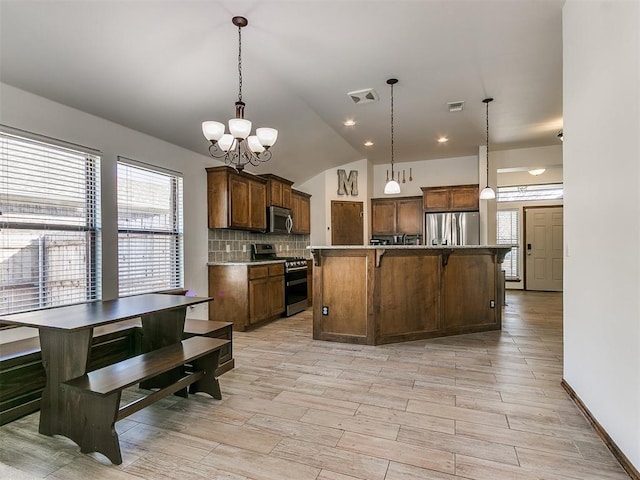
(295, 276)
(295, 285)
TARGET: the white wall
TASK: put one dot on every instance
(23, 110)
(324, 188)
(427, 173)
(602, 180)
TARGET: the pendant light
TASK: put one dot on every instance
(487, 192)
(392, 186)
(237, 147)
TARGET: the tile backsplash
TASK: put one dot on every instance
(286, 245)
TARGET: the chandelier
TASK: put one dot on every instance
(487, 192)
(392, 186)
(237, 147)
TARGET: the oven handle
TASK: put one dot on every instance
(296, 282)
(295, 269)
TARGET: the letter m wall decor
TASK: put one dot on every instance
(348, 185)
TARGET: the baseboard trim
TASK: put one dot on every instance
(602, 433)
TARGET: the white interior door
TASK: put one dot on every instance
(543, 249)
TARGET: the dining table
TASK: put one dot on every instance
(66, 334)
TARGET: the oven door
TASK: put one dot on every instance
(295, 290)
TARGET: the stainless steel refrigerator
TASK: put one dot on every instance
(453, 228)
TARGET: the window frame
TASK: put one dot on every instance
(175, 279)
(19, 152)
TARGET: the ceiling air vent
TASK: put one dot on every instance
(455, 106)
(360, 97)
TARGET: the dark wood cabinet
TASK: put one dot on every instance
(246, 294)
(236, 199)
(396, 215)
(278, 191)
(455, 198)
(301, 209)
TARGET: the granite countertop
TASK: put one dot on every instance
(403, 247)
(248, 262)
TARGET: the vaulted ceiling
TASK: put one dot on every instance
(163, 67)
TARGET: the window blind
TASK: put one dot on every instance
(150, 230)
(509, 233)
(49, 224)
(522, 193)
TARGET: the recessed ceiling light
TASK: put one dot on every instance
(349, 123)
(442, 139)
(368, 143)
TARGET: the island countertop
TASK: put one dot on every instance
(377, 294)
(406, 247)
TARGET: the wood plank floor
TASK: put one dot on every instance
(480, 406)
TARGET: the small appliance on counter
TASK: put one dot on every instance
(398, 239)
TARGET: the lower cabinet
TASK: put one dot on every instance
(246, 294)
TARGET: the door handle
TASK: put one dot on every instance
(528, 249)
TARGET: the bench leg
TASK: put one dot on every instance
(209, 383)
(99, 431)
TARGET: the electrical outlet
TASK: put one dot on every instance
(228, 248)
(244, 248)
(325, 310)
(492, 304)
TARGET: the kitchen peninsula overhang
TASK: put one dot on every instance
(384, 294)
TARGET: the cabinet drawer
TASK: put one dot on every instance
(258, 272)
(276, 270)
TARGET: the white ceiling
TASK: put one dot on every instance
(162, 67)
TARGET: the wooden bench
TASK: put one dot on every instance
(22, 376)
(99, 391)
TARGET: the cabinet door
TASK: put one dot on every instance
(383, 217)
(286, 196)
(436, 199)
(239, 202)
(275, 193)
(276, 295)
(259, 294)
(258, 205)
(301, 210)
(409, 214)
(465, 197)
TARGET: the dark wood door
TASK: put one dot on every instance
(347, 223)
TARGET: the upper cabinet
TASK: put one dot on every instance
(278, 191)
(236, 199)
(456, 198)
(301, 210)
(396, 215)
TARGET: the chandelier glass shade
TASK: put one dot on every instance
(392, 186)
(487, 192)
(239, 147)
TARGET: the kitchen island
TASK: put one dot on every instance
(375, 295)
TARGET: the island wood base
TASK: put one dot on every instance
(379, 295)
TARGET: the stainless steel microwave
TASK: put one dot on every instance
(279, 220)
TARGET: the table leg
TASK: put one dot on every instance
(64, 356)
(160, 330)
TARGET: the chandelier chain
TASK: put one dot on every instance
(239, 64)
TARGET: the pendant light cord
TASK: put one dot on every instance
(239, 63)
(392, 175)
(487, 154)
